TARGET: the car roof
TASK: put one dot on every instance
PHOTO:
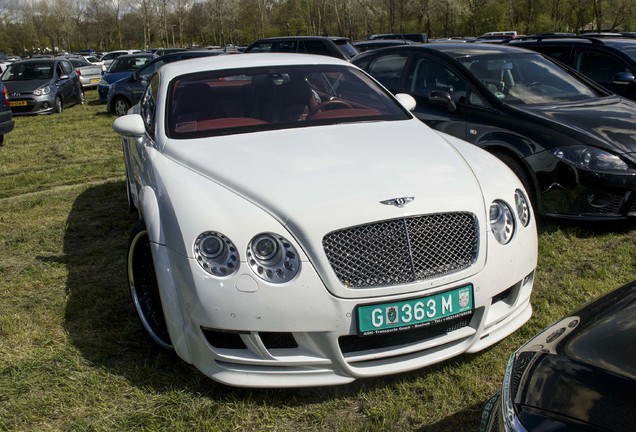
(282, 38)
(615, 42)
(41, 60)
(455, 49)
(202, 64)
(137, 55)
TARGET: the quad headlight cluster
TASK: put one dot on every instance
(272, 257)
(502, 220)
(591, 158)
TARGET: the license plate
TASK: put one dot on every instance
(94, 80)
(414, 313)
(17, 103)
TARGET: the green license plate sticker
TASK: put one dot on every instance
(414, 313)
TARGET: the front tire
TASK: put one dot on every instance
(58, 107)
(144, 289)
(120, 107)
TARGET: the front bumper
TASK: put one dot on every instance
(570, 192)
(31, 104)
(244, 332)
(102, 92)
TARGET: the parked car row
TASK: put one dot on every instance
(367, 262)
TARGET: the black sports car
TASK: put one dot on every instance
(571, 142)
(577, 375)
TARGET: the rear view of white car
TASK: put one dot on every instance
(299, 227)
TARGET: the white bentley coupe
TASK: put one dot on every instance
(299, 227)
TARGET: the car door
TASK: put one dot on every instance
(603, 67)
(64, 81)
(136, 149)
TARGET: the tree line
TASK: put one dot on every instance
(32, 26)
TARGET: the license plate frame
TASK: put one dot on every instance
(408, 314)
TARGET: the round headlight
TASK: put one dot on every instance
(523, 208)
(501, 222)
(265, 248)
(273, 258)
(216, 254)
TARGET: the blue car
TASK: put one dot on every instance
(127, 91)
(6, 119)
(120, 68)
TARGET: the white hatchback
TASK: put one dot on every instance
(299, 227)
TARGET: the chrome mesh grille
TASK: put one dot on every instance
(404, 250)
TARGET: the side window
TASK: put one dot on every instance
(388, 69)
(67, 67)
(315, 47)
(262, 47)
(147, 72)
(556, 52)
(600, 67)
(286, 46)
(148, 107)
(427, 75)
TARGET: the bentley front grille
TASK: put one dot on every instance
(400, 251)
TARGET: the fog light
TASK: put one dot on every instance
(599, 200)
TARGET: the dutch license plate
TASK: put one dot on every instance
(94, 80)
(414, 313)
(17, 103)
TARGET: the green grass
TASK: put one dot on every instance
(74, 358)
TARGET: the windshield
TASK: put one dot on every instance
(527, 79)
(127, 64)
(28, 71)
(236, 101)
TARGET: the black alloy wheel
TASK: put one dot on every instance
(144, 288)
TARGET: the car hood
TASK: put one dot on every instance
(24, 86)
(607, 123)
(319, 179)
(584, 366)
(112, 77)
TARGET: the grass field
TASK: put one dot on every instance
(74, 358)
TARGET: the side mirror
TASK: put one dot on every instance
(406, 100)
(441, 97)
(63, 77)
(130, 125)
(624, 78)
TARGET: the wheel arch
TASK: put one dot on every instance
(148, 207)
(505, 152)
(168, 290)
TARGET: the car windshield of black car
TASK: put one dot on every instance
(527, 79)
